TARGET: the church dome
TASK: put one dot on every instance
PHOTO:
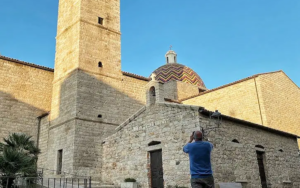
(175, 71)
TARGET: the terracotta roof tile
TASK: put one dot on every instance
(135, 76)
(172, 101)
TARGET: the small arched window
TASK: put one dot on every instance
(152, 95)
(100, 64)
(235, 141)
(280, 150)
(152, 91)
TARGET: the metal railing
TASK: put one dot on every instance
(39, 182)
(44, 171)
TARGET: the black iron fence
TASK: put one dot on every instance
(40, 182)
(44, 172)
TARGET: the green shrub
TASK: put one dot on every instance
(130, 180)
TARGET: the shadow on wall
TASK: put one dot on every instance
(17, 116)
(89, 108)
(97, 98)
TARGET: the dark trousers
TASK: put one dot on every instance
(203, 182)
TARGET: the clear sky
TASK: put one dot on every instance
(222, 40)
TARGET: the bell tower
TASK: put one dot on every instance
(88, 37)
(87, 77)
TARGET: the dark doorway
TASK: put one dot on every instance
(157, 180)
(261, 166)
(59, 161)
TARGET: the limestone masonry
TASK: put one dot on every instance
(89, 118)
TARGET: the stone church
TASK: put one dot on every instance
(90, 118)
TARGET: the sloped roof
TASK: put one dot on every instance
(135, 76)
(230, 84)
(52, 70)
(26, 63)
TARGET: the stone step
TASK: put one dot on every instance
(105, 186)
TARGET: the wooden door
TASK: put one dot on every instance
(157, 180)
(262, 173)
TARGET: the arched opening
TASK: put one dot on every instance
(281, 150)
(152, 95)
(235, 141)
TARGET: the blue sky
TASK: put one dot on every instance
(222, 40)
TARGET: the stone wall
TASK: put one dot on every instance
(238, 100)
(280, 101)
(88, 147)
(43, 141)
(178, 90)
(100, 43)
(25, 94)
(96, 104)
(185, 90)
(126, 153)
(114, 99)
(269, 99)
(95, 99)
(26, 83)
(61, 137)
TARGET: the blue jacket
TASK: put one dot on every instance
(200, 163)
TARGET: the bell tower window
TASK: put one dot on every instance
(100, 20)
(152, 95)
(171, 57)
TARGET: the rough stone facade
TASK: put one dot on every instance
(243, 101)
(270, 99)
(43, 140)
(25, 94)
(89, 97)
(178, 90)
(277, 92)
(126, 153)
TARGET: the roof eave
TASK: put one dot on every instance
(248, 123)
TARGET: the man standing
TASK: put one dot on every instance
(200, 163)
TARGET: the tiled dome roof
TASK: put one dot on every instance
(175, 71)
